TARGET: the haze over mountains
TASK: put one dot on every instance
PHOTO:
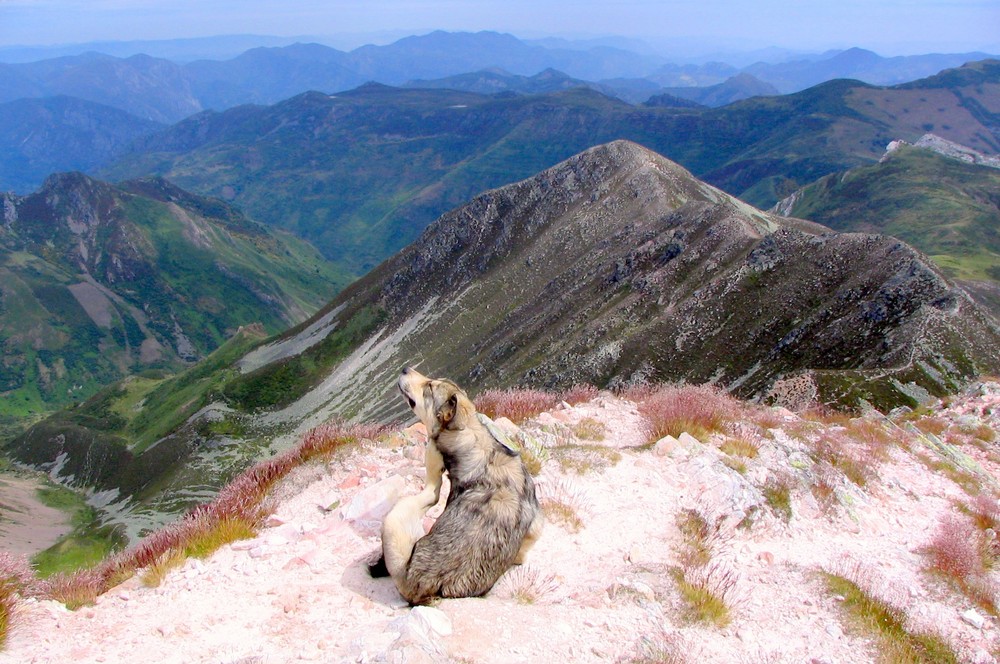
(161, 90)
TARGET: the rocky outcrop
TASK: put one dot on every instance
(947, 148)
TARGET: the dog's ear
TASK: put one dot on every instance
(446, 412)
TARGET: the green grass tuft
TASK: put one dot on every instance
(888, 624)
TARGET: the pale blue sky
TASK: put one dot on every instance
(887, 26)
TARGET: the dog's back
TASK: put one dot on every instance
(479, 535)
(492, 515)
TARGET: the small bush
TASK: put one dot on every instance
(563, 503)
(699, 411)
(701, 539)
(207, 539)
(517, 405)
(663, 649)
(985, 510)
(874, 436)
(154, 575)
(840, 455)
(959, 550)
(580, 393)
(740, 447)
(527, 585)
(589, 429)
(932, 425)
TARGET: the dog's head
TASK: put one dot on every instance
(439, 403)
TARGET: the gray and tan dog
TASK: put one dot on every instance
(491, 518)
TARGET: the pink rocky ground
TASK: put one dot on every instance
(596, 589)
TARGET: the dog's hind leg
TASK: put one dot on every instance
(534, 532)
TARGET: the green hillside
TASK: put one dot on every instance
(100, 281)
(947, 208)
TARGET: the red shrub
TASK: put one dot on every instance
(517, 405)
(579, 393)
(698, 410)
(957, 548)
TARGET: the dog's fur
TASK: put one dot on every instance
(492, 515)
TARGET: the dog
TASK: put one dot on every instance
(491, 518)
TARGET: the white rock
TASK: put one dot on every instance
(973, 618)
(374, 502)
(665, 446)
(436, 620)
(687, 440)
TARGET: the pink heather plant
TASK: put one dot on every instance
(517, 405)
(697, 410)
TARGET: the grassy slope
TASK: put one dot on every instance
(948, 209)
(236, 274)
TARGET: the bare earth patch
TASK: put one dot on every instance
(27, 525)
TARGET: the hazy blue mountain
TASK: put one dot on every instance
(692, 75)
(43, 136)
(860, 64)
(218, 47)
(150, 88)
(268, 75)
(741, 86)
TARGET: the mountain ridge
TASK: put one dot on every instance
(615, 267)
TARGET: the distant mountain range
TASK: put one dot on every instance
(614, 267)
(162, 90)
(99, 281)
(39, 137)
(360, 174)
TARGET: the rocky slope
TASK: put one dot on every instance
(617, 266)
(783, 517)
(937, 195)
(98, 281)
